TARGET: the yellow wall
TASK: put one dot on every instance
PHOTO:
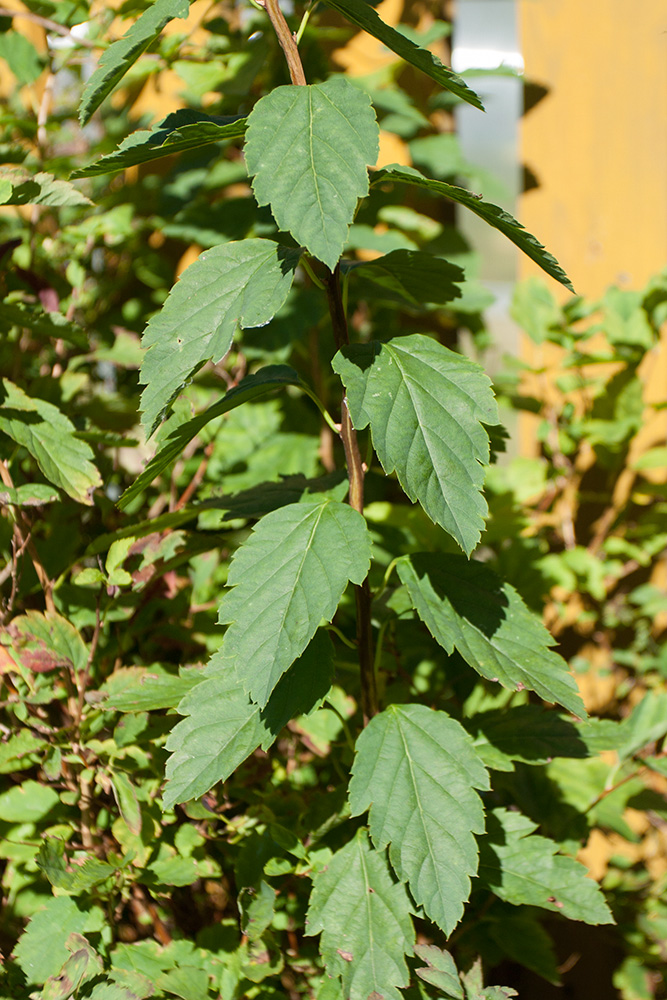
(598, 141)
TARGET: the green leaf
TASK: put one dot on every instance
(524, 869)
(364, 919)
(40, 189)
(416, 276)
(146, 689)
(48, 325)
(289, 575)
(121, 55)
(309, 148)
(416, 770)
(525, 733)
(80, 877)
(128, 804)
(440, 970)
(43, 642)
(83, 965)
(21, 57)
(222, 726)
(235, 286)
(495, 216)
(35, 495)
(361, 13)
(426, 407)
(180, 131)
(263, 381)
(27, 803)
(51, 439)
(646, 723)
(42, 949)
(466, 606)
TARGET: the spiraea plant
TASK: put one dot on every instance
(344, 808)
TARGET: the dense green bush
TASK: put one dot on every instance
(368, 787)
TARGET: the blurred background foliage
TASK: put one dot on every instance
(578, 520)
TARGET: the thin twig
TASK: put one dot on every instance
(287, 42)
(48, 24)
(356, 472)
(22, 528)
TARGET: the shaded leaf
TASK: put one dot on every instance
(525, 733)
(496, 217)
(39, 189)
(440, 970)
(465, 606)
(258, 384)
(426, 407)
(289, 575)
(361, 13)
(126, 798)
(417, 772)
(309, 148)
(222, 726)
(121, 55)
(364, 919)
(51, 439)
(182, 130)
(43, 324)
(73, 877)
(522, 868)
(418, 277)
(230, 287)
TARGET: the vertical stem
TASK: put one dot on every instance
(287, 42)
(355, 465)
(356, 471)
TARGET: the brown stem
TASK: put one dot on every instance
(356, 472)
(355, 465)
(48, 25)
(22, 528)
(287, 42)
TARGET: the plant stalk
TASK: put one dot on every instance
(287, 42)
(355, 465)
(356, 472)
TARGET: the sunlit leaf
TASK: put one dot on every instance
(230, 287)
(426, 407)
(308, 149)
(364, 919)
(417, 773)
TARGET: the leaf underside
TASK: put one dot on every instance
(308, 149)
(121, 55)
(180, 131)
(237, 285)
(466, 606)
(364, 918)
(361, 13)
(496, 217)
(426, 407)
(288, 576)
(417, 772)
